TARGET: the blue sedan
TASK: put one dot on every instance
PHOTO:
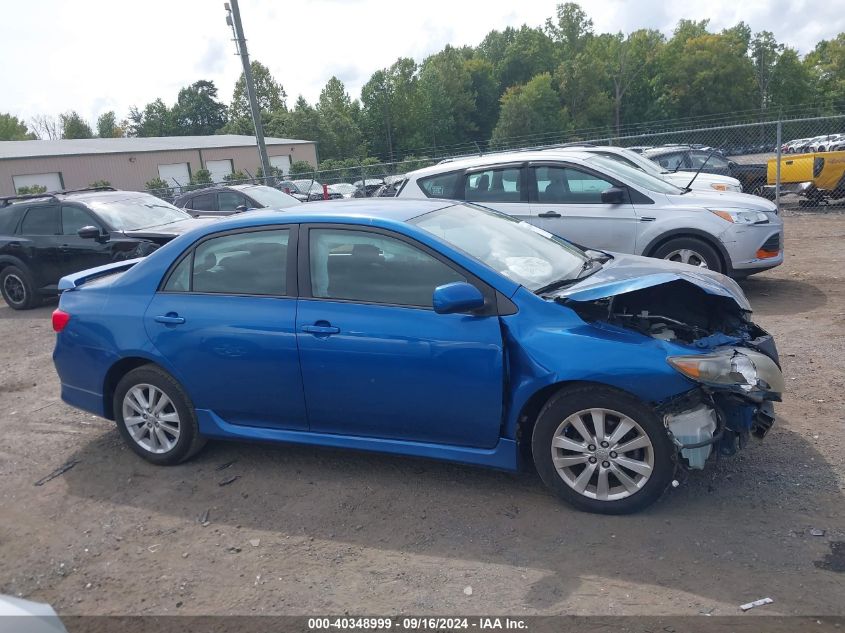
(425, 328)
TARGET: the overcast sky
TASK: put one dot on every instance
(99, 55)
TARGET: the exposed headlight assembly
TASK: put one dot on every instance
(749, 371)
(721, 186)
(738, 216)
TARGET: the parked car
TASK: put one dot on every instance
(345, 189)
(752, 176)
(792, 146)
(290, 188)
(427, 328)
(46, 236)
(601, 203)
(823, 143)
(311, 188)
(229, 199)
(368, 188)
(704, 182)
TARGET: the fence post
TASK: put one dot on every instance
(363, 180)
(777, 158)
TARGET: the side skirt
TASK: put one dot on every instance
(504, 456)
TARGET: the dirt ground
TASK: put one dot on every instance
(316, 531)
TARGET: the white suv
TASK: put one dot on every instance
(599, 202)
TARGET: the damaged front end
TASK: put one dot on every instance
(733, 361)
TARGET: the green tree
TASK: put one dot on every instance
(236, 176)
(197, 110)
(791, 83)
(340, 136)
(765, 53)
(485, 91)
(12, 129)
(99, 183)
(530, 110)
(29, 190)
(446, 101)
(156, 119)
(529, 53)
(159, 187)
(300, 168)
(572, 29)
(269, 94)
(74, 126)
(107, 126)
(201, 177)
(827, 67)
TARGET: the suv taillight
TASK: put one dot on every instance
(60, 319)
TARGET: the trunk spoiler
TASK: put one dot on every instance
(69, 282)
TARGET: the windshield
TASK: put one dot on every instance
(635, 160)
(634, 176)
(308, 185)
(343, 187)
(521, 252)
(138, 211)
(269, 197)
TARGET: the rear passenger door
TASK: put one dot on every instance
(500, 187)
(224, 320)
(39, 245)
(567, 202)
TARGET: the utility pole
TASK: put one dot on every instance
(233, 19)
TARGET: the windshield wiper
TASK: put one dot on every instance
(587, 267)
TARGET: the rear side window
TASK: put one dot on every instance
(493, 185)
(441, 185)
(41, 221)
(253, 263)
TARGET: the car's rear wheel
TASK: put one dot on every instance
(602, 450)
(692, 251)
(156, 417)
(18, 288)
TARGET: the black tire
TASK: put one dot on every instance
(18, 288)
(571, 400)
(702, 250)
(188, 443)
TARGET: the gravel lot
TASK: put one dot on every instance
(314, 531)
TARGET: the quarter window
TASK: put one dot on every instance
(568, 186)
(493, 185)
(240, 264)
(441, 185)
(364, 266)
(41, 221)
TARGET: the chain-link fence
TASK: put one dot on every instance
(747, 152)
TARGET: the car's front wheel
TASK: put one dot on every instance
(692, 251)
(156, 417)
(602, 450)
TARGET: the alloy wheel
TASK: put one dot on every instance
(14, 288)
(602, 454)
(151, 418)
(687, 256)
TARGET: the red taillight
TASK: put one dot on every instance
(60, 320)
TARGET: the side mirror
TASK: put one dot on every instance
(457, 297)
(89, 232)
(614, 195)
(241, 208)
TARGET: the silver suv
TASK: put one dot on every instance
(598, 202)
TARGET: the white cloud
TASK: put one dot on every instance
(101, 55)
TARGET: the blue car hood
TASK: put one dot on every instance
(627, 273)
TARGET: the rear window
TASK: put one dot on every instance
(442, 185)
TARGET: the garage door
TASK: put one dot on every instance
(53, 181)
(175, 174)
(282, 162)
(219, 168)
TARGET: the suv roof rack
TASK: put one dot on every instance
(7, 200)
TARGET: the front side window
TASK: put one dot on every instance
(230, 201)
(41, 221)
(252, 263)
(363, 266)
(493, 185)
(566, 185)
(441, 185)
(74, 218)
